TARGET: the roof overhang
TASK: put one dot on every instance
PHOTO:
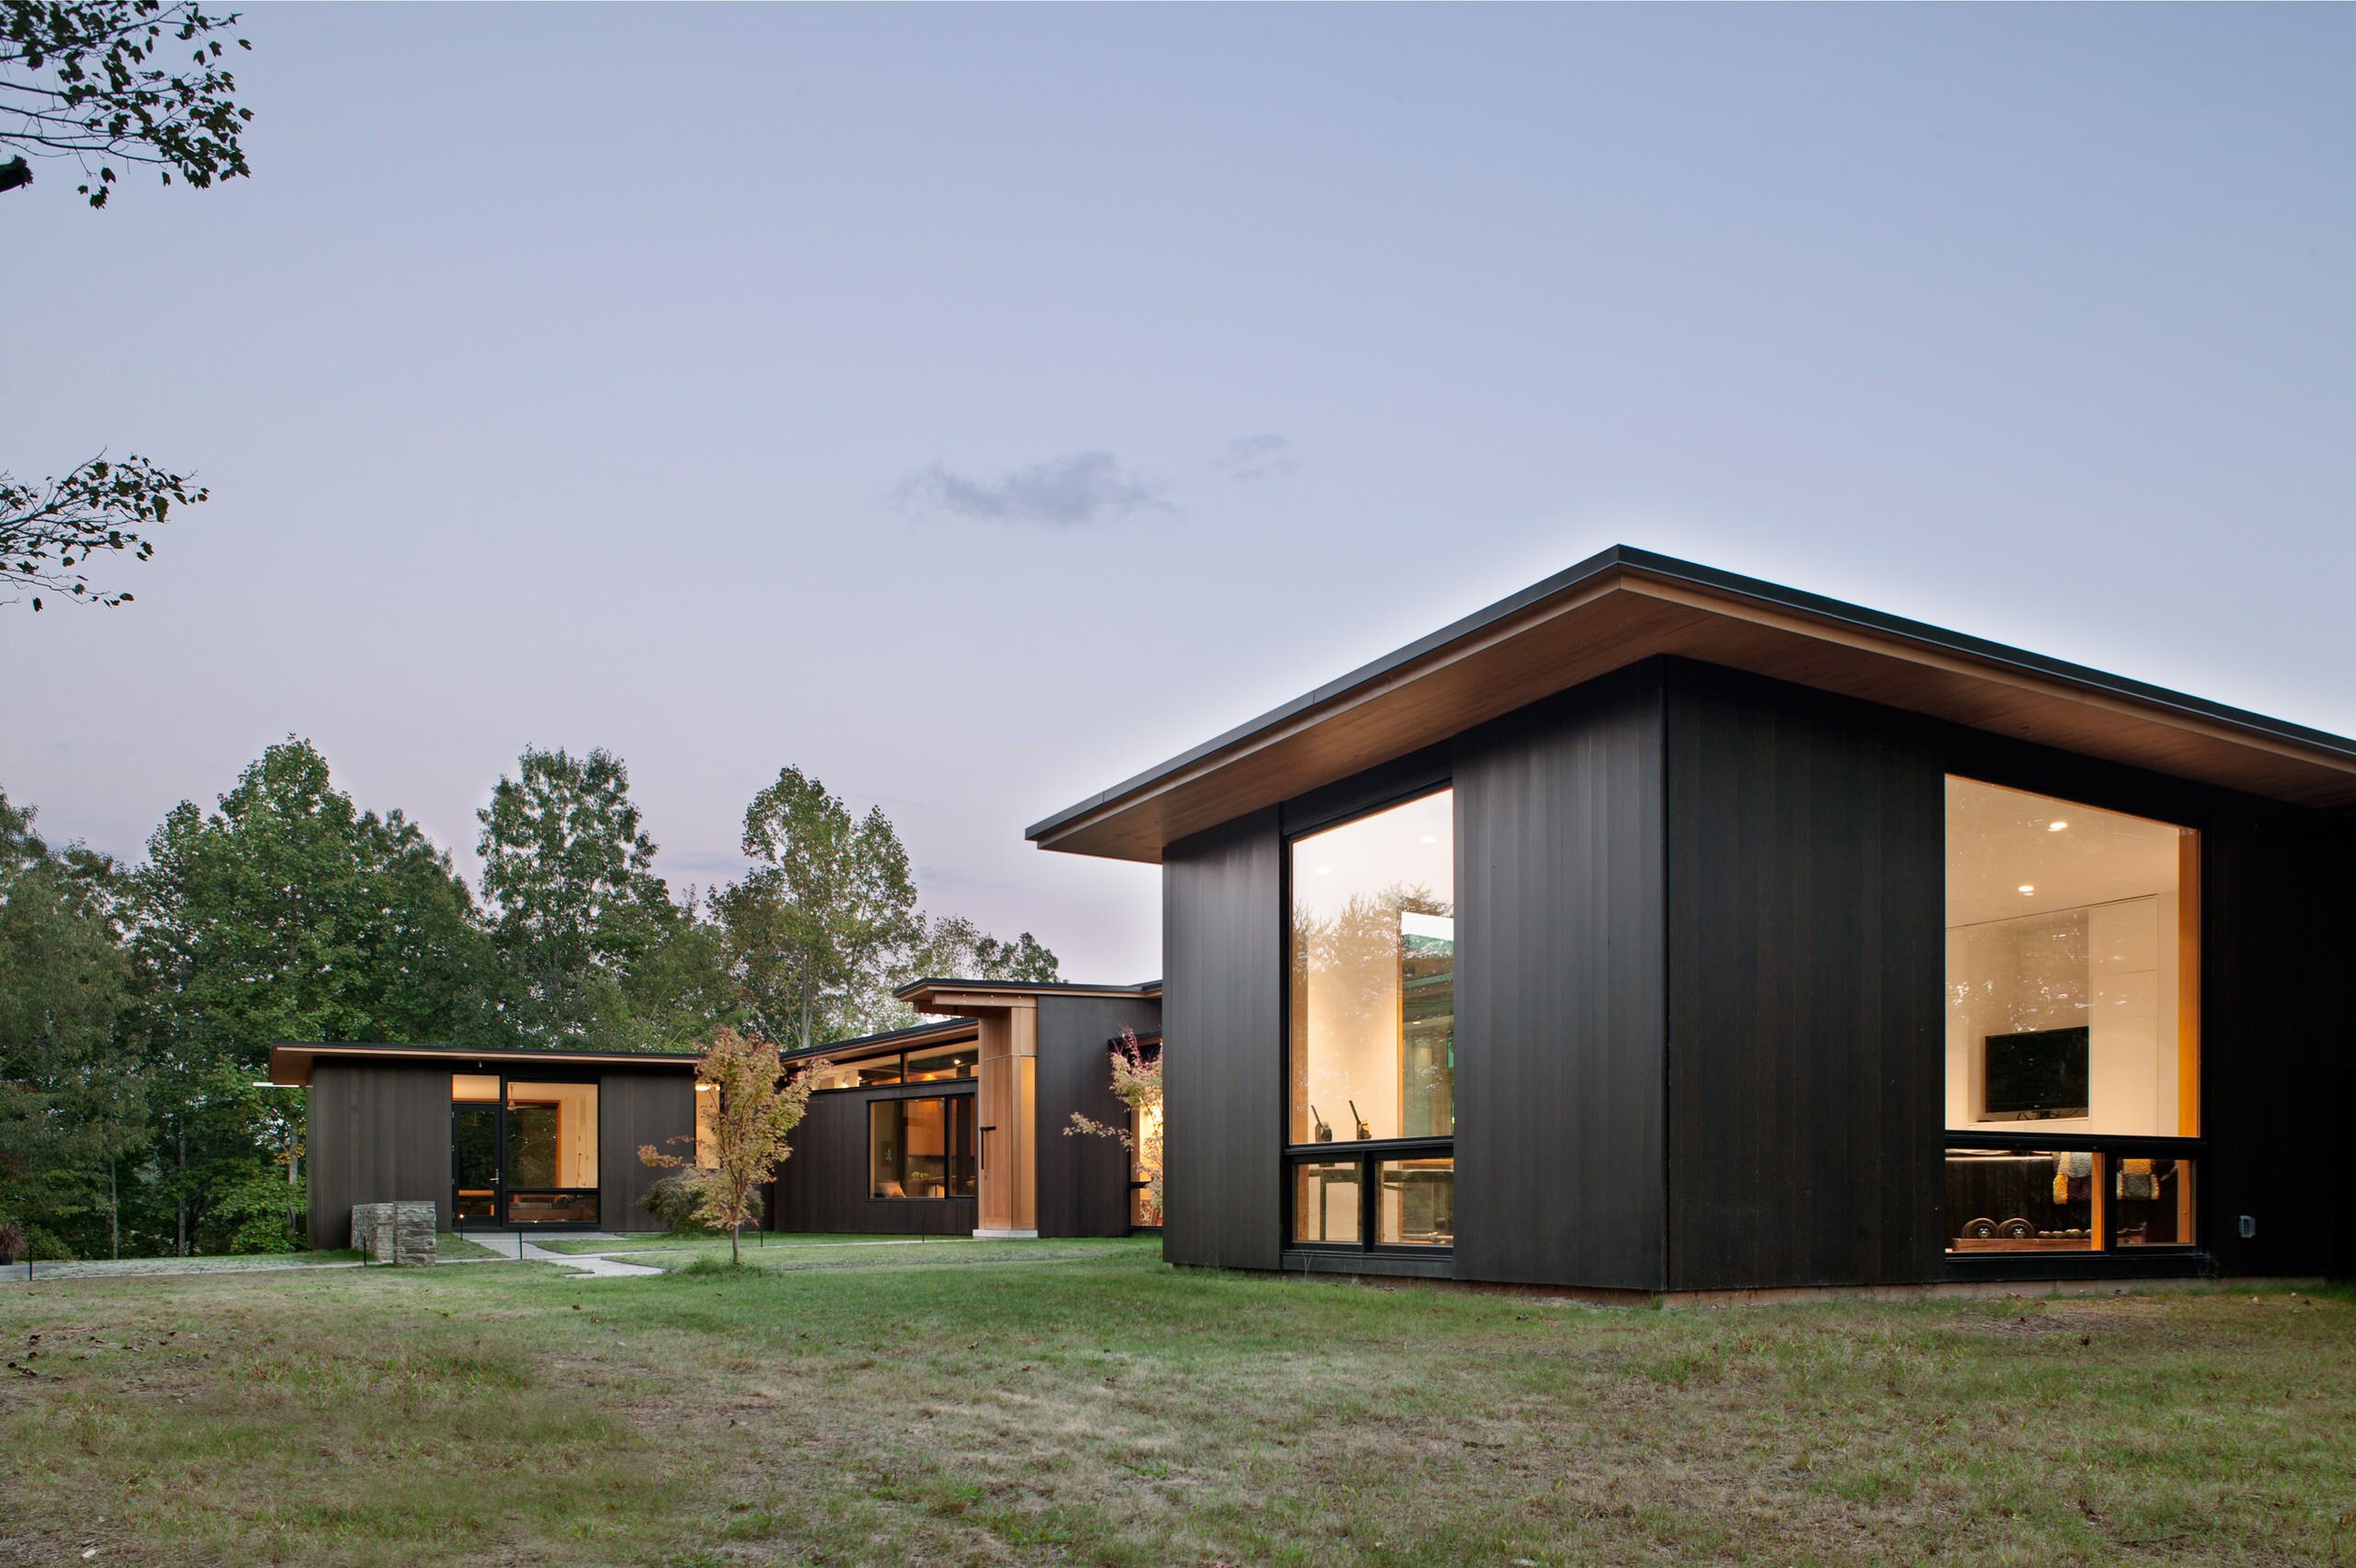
(291, 1062)
(1625, 605)
(971, 999)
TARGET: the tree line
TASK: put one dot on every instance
(138, 1002)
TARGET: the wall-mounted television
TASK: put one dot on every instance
(2035, 1076)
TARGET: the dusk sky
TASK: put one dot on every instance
(976, 406)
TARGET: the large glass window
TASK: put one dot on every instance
(552, 1153)
(2073, 1024)
(920, 1148)
(1373, 1037)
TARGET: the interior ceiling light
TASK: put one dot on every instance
(2028, 887)
(2055, 826)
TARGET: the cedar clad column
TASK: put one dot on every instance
(1005, 1116)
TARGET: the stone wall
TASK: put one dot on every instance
(393, 1233)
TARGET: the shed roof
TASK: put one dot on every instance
(1625, 604)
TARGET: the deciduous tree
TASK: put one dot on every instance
(101, 82)
(582, 922)
(72, 1104)
(1137, 1082)
(754, 1108)
(288, 914)
(821, 929)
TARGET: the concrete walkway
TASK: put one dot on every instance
(587, 1265)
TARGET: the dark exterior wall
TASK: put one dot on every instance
(822, 1187)
(379, 1133)
(2277, 1065)
(1806, 1091)
(1223, 937)
(1083, 1182)
(1561, 972)
(634, 1109)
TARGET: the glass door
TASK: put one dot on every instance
(474, 1161)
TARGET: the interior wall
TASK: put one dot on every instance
(576, 1127)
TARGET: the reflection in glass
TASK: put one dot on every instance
(1418, 1206)
(1325, 1201)
(1373, 936)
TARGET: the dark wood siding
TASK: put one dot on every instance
(2277, 925)
(1560, 989)
(1083, 1181)
(634, 1109)
(379, 1133)
(1806, 840)
(823, 1188)
(1222, 937)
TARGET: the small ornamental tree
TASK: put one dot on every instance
(756, 1110)
(1136, 1081)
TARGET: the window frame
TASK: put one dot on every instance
(1368, 1154)
(949, 1137)
(900, 1058)
(2105, 1255)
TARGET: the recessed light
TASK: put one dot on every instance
(2055, 826)
(2028, 887)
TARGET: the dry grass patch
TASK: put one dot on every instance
(1004, 1404)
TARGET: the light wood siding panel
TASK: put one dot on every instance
(634, 1109)
(1222, 1019)
(378, 1134)
(1560, 992)
(1084, 1181)
(1805, 1080)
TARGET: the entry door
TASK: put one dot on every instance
(474, 1163)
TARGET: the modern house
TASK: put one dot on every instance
(952, 1127)
(498, 1140)
(1665, 931)
(956, 1127)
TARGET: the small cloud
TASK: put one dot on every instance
(1064, 493)
(1253, 457)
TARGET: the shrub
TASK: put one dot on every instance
(673, 1201)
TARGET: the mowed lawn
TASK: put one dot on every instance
(1079, 1402)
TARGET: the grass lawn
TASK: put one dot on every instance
(999, 1403)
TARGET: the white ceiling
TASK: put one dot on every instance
(1999, 840)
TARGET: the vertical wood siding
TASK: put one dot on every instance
(1223, 939)
(1806, 861)
(1560, 989)
(823, 1188)
(636, 1108)
(379, 1133)
(1084, 1181)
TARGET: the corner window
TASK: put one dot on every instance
(2072, 1025)
(1371, 1036)
(920, 1148)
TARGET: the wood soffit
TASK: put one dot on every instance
(1625, 605)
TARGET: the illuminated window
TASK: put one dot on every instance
(2073, 1024)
